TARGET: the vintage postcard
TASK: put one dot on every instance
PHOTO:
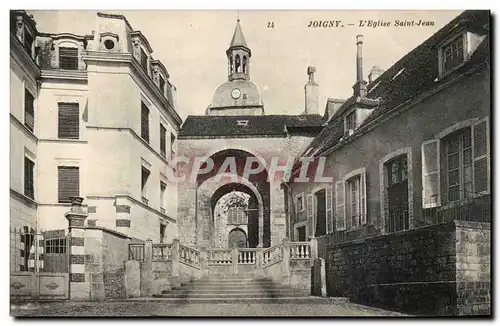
(250, 163)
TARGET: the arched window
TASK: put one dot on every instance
(244, 64)
(237, 63)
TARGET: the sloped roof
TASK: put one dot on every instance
(257, 125)
(238, 38)
(414, 74)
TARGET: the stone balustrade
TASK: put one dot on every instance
(162, 252)
(300, 250)
(219, 256)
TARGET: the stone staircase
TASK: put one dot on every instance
(239, 289)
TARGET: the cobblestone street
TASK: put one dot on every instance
(162, 308)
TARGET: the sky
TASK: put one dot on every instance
(192, 45)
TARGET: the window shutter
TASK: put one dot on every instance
(29, 110)
(163, 140)
(29, 189)
(340, 206)
(329, 210)
(362, 203)
(69, 183)
(310, 213)
(69, 121)
(430, 174)
(68, 58)
(144, 122)
(481, 156)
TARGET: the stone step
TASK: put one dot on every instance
(232, 282)
(263, 295)
(282, 300)
(235, 291)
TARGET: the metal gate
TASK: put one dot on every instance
(39, 264)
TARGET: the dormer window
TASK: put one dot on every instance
(457, 48)
(453, 54)
(68, 58)
(351, 122)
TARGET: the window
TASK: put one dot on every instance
(144, 181)
(69, 183)
(301, 232)
(55, 246)
(353, 201)
(350, 121)
(236, 215)
(29, 185)
(144, 122)
(300, 203)
(69, 121)
(144, 61)
(456, 166)
(162, 85)
(350, 201)
(397, 193)
(162, 233)
(163, 190)
(29, 110)
(28, 42)
(163, 141)
(172, 144)
(68, 58)
(453, 54)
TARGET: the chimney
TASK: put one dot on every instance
(311, 93)
(360, 85)
(374, 74)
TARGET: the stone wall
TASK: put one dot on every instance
(438, 269)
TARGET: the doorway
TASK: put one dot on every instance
(237, 239)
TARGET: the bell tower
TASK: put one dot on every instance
(238, 56)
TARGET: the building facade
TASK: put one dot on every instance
(409, 150)
(92, 116)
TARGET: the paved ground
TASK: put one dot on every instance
(162, 308)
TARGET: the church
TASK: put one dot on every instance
(238, 211)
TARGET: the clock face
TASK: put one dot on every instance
(235, 93)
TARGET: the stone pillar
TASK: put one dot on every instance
(314, 249)
(259, 261)
(132, 278)
(203, 262)
(286, 258)
(234, 260)
(79, 283)
(175, 278)
(147, 270)
(322, 271)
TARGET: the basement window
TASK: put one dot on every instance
(243, 123)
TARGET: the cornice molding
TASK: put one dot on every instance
(95, 56)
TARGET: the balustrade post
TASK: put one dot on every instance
(148, 250)
(203, 262)
(259, 261)
(286, 258)
(234, 259)
(314, 249)
(175, 257)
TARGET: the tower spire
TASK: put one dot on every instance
(238, 54)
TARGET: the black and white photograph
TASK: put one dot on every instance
(250, 163)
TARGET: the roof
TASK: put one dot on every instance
(412, 75)
(257, 125)
(238, 38)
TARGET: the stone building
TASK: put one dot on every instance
(92, 116)
(235, 126)
(407, 152)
